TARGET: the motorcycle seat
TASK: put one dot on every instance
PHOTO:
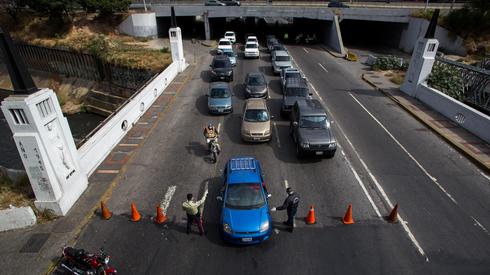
(73, 252)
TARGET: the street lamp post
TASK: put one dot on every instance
(426, 4)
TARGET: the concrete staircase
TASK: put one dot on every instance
(103, 103)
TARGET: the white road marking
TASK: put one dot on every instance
(480, 225)
(378, 186)
(306, 51)
(361, 184)
(406, 151)
(277, 135)
(325, 69)
(485, 175)
(286, 184)
(168, 197)
(205, 191)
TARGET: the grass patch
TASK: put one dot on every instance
(18, 195)
(398, 78)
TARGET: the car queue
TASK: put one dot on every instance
(245, 216)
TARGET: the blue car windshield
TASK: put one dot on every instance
(244, 196)
(219, 93)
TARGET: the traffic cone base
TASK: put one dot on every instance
(310, 218)
(393, 217)
(160, 217)
(106, 214)
(135, 215)
(348, 216)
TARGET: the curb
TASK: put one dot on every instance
(455, 145)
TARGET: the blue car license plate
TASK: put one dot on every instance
(246, 240)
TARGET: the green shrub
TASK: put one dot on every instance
(447, 79)
(165, 50)
(390, 62)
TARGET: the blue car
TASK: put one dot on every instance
(245, 216)
(231, 55)
(219, 98)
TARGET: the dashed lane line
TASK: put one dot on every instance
(306, 51)
(376, 183)
(277, 135)
(325, 69)
(361, 184)
(477, 223)
(485, 175)
(432, 178)
(168, 197)
(286, 184)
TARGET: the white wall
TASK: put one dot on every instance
(140, 25)
(417, 27)
(472, 120)
(15, 218)
(96, 149)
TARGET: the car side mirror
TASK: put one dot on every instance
(269, 196)
(219, 198)
(295, 124)
(310, 93)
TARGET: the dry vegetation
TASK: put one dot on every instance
(90, 34)
(396, 77)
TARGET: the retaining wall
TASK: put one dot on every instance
(472, 120)
(140, 25)
(97, 147)
(15, 218)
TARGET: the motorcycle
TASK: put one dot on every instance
(213, 148)
(80, 262)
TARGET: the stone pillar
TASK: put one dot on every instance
(47, 149)
(334, 36)
(176, 47)
(207, 29)
(421, 63)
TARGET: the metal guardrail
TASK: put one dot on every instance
(475, 82)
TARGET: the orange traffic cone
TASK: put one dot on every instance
(310, 218)
(348, 216)
(135, 215)
(106, 214)
(393, 217)
(160, 218)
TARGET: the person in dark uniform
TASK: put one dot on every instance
(291, 205)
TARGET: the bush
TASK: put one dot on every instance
(474, 18)
(105, 7)
(390, 62)
(447, 79)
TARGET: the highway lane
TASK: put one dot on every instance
(441, 194)
(174, 155)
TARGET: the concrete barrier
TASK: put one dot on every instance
(140, 25)
(15, 218)
(98, 146)
(472, 120)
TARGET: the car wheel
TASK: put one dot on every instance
(330, 155)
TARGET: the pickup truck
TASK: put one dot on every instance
(289, 73)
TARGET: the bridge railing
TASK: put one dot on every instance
(470, 83)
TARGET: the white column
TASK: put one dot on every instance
(177, 48)
(421, 63)
(207, 28)
(47, 149)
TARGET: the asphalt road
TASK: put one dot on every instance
(444, 237)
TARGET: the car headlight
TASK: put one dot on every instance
(227, 228)
(264, 226)
(213, 72)
(305, 144)
(268, 132)
(248, 90)
(332, 145)
(229, 73)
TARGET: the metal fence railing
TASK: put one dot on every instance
(81, 65)
(472, 81)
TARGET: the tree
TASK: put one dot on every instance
(57, 10)
(105, 7)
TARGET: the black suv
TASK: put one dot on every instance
(221, 69)
(294, 89)
(310, 129)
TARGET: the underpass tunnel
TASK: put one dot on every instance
(191, 27)
(371, 34)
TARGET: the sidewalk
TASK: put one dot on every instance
(475, 148)
(36, 250)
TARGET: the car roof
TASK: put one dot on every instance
(281, 53)
(251, 36)
(296, 82)
(221, 58)
(229, 32)
(255, 103)
(224, 39)
(310, 107)
(219, 84)
(254, 74)
(243, 170)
